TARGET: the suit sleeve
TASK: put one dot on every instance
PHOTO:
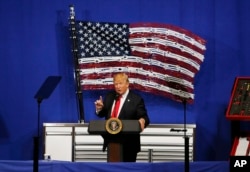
(142, 112)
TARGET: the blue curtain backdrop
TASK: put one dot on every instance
(34, 43)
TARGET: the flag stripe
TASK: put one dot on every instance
(168, 57)
(172, 30)
(150, 65)
(137, 83)
(163, 79)
(156, 41)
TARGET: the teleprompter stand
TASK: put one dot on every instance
(114, 145)
(186, 137)
(43, 93)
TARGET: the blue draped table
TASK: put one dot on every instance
(62, 166)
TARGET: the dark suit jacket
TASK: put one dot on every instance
(132, 109)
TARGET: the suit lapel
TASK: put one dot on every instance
(125, 105)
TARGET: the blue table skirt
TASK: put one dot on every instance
(61, 166)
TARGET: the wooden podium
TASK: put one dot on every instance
(112, 131)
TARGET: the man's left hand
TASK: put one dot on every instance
(142, 123)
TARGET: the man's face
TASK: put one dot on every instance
(121, 84)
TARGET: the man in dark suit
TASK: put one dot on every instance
(131, 107)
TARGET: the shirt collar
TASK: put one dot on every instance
(125, 94)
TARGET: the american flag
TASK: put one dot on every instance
(158, 58)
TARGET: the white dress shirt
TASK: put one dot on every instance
(123, 98)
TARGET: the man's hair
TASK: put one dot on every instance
(121, 75)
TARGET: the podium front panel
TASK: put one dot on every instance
(128, 127)
(97, 127)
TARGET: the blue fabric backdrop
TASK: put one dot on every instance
(35, 44)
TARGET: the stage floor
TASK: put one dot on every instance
(62, 166)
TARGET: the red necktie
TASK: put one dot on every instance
(116, 108)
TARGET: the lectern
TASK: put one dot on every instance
(112, 131)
